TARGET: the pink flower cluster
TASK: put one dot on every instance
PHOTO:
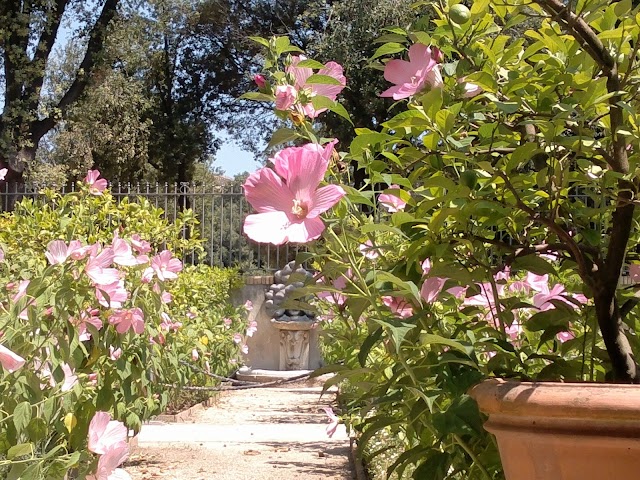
(543, 297)
(298, 95)
(101, 269)
(420, 71)
(410, 77)
(108, 438)
(288, 198)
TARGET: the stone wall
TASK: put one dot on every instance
(264, 346)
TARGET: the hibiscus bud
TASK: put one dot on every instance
(260, 81)
(194, 355)
(437, 54)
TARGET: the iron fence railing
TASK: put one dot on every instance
(220, 210)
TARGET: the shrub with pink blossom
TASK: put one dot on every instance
(509, 162)
(94, 323)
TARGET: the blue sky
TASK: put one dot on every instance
(233, 160)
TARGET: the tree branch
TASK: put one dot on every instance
(43, 50)
(605, 282)
(94, 48)
(570, 244)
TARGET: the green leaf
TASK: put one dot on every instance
(22, 416)
(387, 49)
(445, 121)
(547, 319)
(257, 96)
(435, 467)
(20, 450)
(405, 287)
(522, 155)
(316, 78)
(508, 107)
(390, 37)
(535, 264)
(339, 109)
(398, 330)
(320, 101)
(484, 80)
(432, 102)
(374, 427)
(37, 429)
(430, 338)
(368, 343)
(282, 45)
(262, 41)
(282, 135)
(309, 63)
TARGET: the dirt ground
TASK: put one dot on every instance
(257, 434)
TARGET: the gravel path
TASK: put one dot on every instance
(256, 434)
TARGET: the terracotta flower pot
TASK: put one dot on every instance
(563, 431)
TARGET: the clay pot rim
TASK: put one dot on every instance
(556, 399)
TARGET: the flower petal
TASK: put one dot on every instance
(304, 231)
(324, 198)
(334, 70)
(267, 227)
(399, 71)
(266, 192)
(300, 74)
(9, 360)
(303, 168)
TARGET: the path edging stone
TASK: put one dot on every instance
(185, 415)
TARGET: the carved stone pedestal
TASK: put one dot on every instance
(294, 344)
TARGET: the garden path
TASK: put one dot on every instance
(274, 433)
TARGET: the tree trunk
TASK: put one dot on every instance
(611, 326)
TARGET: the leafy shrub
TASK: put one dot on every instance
(88, 324)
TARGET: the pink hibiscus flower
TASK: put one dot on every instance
(70, 378)
(57, 252)
(544, 300)
(97, 267)
(432, 286)
(114, 353)
(287, 199)
(398, 306)
(308, 91)
(77, 251)
(122, 253)
(108, 463)
(252, 328)
(165, 266)
(96, 184)
(112, 295)
(128, 319)
(470, 89)
(9, 360)
(90, 316)
(411, 76)
(168, 324)
(368, 250)
(260, 81)
(104, 432)
(139, 245)
(285, 96)
(333, 421)
(3, 173)
(393, 203)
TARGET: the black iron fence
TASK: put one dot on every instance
(220, 210)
